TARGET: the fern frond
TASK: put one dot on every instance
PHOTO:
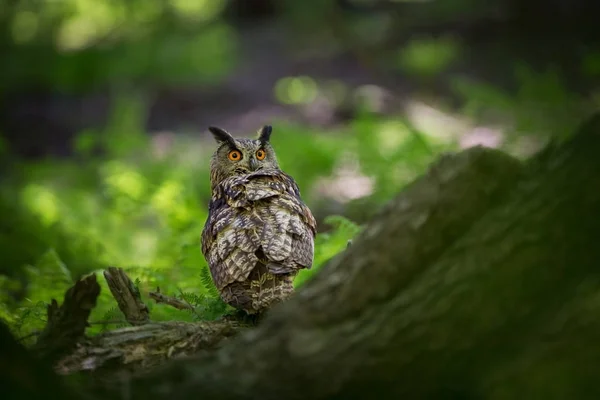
(112, 314)
(207, 282)
(193, 298)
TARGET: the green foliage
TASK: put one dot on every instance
(328, 244)
(86, 44)
(542, 104)
(49, 276)
(143, 209)
(426, 57)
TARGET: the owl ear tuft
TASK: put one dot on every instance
(221, 135)
(264, 134)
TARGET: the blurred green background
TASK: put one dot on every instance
(104, 108)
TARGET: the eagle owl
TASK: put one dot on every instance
(259, 233)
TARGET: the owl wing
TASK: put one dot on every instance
(228, 241)
(261, 211)
(289, 230)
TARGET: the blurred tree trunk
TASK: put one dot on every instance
(480, 280)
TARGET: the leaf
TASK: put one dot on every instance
(208, 283)
(48, 279)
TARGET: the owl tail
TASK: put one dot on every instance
(260, 291)
(278, 269)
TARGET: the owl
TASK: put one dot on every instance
(259, 233)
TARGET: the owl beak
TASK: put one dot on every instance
(253, 164)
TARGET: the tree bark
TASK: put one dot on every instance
(127, 295)
(66, 324)
(480, 280)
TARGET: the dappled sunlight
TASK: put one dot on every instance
(435, 123)
(198, 10)
(346, 185)
(167, 195)
(482, 136)
(89, 21)
(42, 202)
(372, 98)
(453, 128)
(391, 135)
(168, 201)
(143, 247)
(120, 177)
(296, 90)
(347, 182)
(428, 56)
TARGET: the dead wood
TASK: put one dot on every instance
(127, 295)
(66, 324)
(132, 349)
(161, 298)
(138, 348)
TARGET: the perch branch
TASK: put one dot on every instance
(127, 296)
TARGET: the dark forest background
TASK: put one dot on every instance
(104, 108)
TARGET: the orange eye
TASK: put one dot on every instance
(261, 154)
(234, 155)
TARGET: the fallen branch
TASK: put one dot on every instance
(136, 348)
(127, 296)
(159, 297)
(66, 324)
(141, 347)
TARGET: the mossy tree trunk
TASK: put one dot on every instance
(480, 280)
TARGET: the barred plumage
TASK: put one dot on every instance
(259, 233)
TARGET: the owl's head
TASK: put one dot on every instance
(240, 156)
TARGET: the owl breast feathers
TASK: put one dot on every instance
(257, 237)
